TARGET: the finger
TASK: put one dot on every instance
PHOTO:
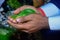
(20, 20)
(28, 25)
(14, 21)
(25, 31)
(31, 30)
(18, 26)
(9, 18)
(19, 9)
(12, 24)
(25, 7)
(24, 19)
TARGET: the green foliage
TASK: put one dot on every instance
(14, 4)
(5, 33)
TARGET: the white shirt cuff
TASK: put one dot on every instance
(54, 23)
(50, 10)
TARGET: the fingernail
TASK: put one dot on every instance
(14, 21)
(18, 20)
(11, 19)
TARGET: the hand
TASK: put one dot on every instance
(24, 7)
(30, 23)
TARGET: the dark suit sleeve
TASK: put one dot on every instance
(56, 2)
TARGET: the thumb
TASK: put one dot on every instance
(24, 7)
(17, 10)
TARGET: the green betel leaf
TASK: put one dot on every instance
(23, 13)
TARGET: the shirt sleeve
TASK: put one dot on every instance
(54, 22)
(50, 10)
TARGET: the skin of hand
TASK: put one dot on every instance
(24, 7)
(30, 23)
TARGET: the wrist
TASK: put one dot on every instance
(46, 23)
(41, 11)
